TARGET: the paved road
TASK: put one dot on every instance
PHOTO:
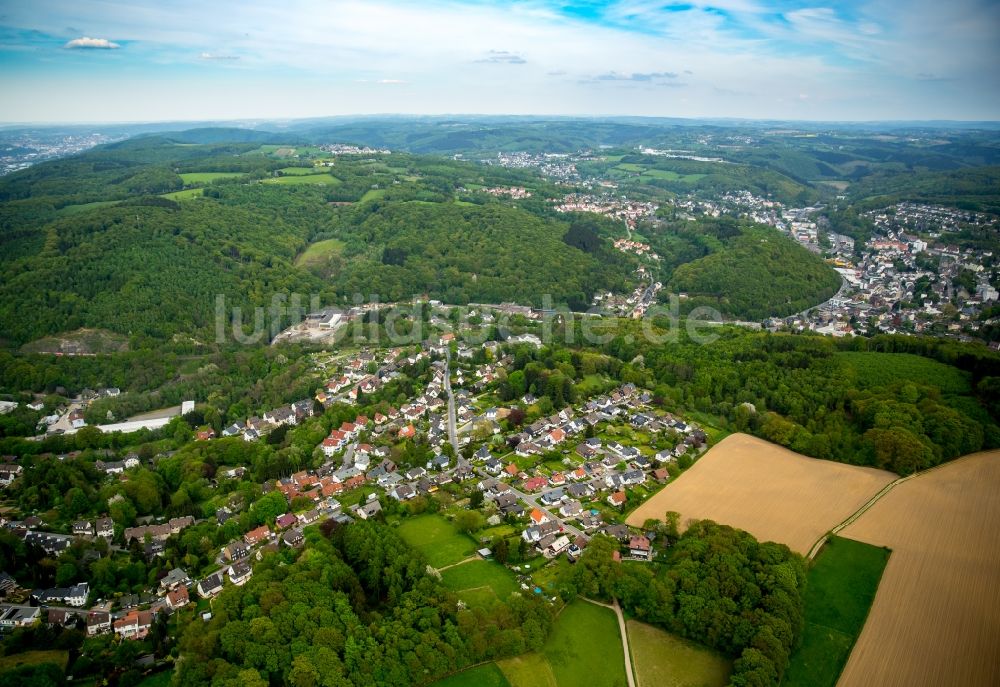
(621, 627)
(452, 430)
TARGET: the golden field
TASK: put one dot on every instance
(773, 493)
(936, 617)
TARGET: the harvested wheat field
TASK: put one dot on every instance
(936, 616)
(771, 492)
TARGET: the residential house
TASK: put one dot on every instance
(639, 547)
(256, 536)
(240, 572)
(178, 598)
(83, 528)
(210, 586)
(98, 623)
(293, 538)
(105, 527)
(173, 579)
(134, 625)
(369, 510)
(235, 551)
(539, 517)
(285, 521)
(617, 499)
(19, 616)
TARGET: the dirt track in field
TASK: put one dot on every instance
(769, 491)
(936, 617)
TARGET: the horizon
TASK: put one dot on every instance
(789, 61)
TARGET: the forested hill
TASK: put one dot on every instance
(757, 274)
(139, 237)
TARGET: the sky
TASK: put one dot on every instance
(114, 61)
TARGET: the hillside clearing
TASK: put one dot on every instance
(437, 539)
(936, 616)
(664, 660)
(839, 592)
(769, 491)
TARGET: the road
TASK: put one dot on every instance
(452, 430)
(621, 627)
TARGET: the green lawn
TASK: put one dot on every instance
(373, 194)
(528, 670)
(319, 252)
(488, 675)
(475, 575)
(193, 178)
(323, 179)
(34, 658)
(437, 539)
(840, 588)
(584, 647)
(186, 194)
(881, 369)
(84, 207)
(661, 659)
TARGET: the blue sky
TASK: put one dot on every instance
(110, 60)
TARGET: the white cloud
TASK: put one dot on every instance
(215, 56)
(391, 82)
(91, 44)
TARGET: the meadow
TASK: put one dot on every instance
(322, 178)
(840, 588)
(487, 675)
(769, 491)
(299, 171)
(194, 178)
(584, 647)
(936, 616)
(881, 369)
(488, 578)
(437, 539)
(34, 658)
(319, 252)
(665, 660)
(186, 194)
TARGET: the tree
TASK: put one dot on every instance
(469, 521)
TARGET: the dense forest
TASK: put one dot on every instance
(717, 586)
(355, 607)
(757, 274)
(899, 403)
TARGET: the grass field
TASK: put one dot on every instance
(186, 194)
(319, 252)
(161, 679)
(323, 179)
(373, 194)
(881, 369)
(475, 575)
(192, 178)
(664, 660)
(936, 616)
(298, 171)
(841, 586)
(528, 670)
(584, 647)
(488, 675)
(769, 491)
(671, 175)
(437, 539)
(34, 658)
(83, 207)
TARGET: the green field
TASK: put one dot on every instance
(161, 679)
(488, 675)
(664, 660)
(373, 194)
(323, 178)
(319, 252)
(671, 175)
(584, 647)
(437, 539)
(840, 588)
(299, 171)
(882, 369)
(83, 207)
(631, 167)
(480, 581)
(34, 658)
(528, 670)
(186, 194)
(193, 178)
